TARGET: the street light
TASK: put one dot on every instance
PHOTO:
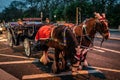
(55, 17)
(78, 15)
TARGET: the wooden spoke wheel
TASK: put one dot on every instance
(9, 39)
(27, 47)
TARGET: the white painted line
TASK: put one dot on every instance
(15, 56)
(98, 50)
(45, 75)
(3, 40)
(105, 69)
(112, 38)
(108, 49)
(1, 37)
(19, 62)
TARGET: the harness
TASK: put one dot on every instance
(56, 40)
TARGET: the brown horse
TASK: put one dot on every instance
(85, 32)
(62, 39)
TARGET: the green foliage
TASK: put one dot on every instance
(62, 10)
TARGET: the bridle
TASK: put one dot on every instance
(103, 30)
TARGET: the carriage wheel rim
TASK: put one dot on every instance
(27, 48)
(10, 42)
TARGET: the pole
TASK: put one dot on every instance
(41, 15)
(80, 15)
(77, 16)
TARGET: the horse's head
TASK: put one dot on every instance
(102, 25)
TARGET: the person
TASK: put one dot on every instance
(20, 22)
(47, 20)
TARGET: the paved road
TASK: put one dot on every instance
(104, 64)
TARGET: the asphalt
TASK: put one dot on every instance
(6, 76)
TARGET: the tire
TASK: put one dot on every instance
(9, 39)
(27, 47)
(31, 31)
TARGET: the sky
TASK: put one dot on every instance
(5, 3)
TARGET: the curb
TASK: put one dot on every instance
(114, 30)
(6, 76)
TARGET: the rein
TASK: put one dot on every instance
(84, 34)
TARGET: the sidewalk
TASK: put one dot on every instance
(6, 76)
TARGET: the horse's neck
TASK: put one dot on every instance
(89, 28)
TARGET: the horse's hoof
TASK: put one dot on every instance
(80, 67)
(74, 69)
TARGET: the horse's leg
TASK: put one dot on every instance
(61, 61)
(67, 59)
(85, 63)
(44, 59)
(55, 65)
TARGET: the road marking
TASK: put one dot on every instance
(98, 50)
(19, 62)
(45, 75)
(108, 49)
(105, 69)
(3, 40)
(15, 56)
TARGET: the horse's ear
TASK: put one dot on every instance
(97, 15)
(103, 15)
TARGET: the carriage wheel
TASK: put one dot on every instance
(27, 47)
(31, 31)
(9, 39)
